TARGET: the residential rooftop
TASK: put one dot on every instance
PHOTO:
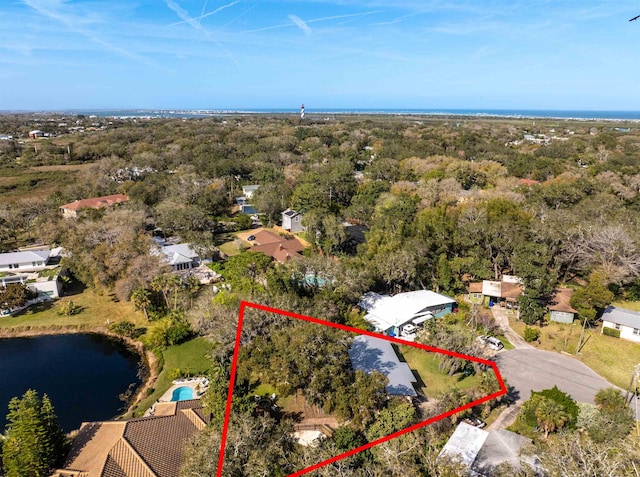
(143, 447)
(622, 316)
(370, 354)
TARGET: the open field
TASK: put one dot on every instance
(612, 358)
(434, 381)
(190, 355)
(18, 184)
(95, 311)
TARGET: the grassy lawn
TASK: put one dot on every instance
(612, 358)
(190, 355)
(629, 305)
(505, 342)
(95, 310)
(426, 363)
(229, 249)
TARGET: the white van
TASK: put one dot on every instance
(494, 343)
(491, 342)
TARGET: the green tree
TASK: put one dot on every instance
(591, 300)
(15, 295)
(390, 420)
(141, 299)
(550, 415)
(34, 443)
(613, 418)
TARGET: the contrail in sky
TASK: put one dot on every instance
(301, 24)
(217, 10)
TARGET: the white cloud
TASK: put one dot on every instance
(300, 23)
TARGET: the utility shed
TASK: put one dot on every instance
(370, 354)
(560, 309)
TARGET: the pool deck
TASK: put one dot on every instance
(199, 386)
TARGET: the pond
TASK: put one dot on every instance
(83, 374)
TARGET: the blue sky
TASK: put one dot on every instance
(82, 54)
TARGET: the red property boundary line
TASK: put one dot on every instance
(234, 366)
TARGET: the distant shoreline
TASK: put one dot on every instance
(569, 115)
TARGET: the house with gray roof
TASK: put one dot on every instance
(292, 221)
(248, 190)
(180, 256)
(27, 261)
(623, 320)
(481, 452)
(370, 354)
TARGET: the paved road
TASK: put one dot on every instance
(502, 320)
(533, 369)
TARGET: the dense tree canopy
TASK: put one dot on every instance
(33, 443)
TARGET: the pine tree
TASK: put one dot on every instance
(34, 442)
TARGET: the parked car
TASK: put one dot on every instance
(475, 422)
(251, 237)
(491, 341)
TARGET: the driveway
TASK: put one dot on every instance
(502, 320)
(533, 369)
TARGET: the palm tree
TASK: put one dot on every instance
(161, 284)
(192, 285)
(141, 299)
(551, 416)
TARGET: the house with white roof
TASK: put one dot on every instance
(27, 261)
(38, 269)
(389, 314)
(482, 452)
(180, 256)
(627, 322)
(248, 190)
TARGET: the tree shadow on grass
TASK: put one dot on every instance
(36, 308)
(74, 287)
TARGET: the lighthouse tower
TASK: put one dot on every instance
(302, 112)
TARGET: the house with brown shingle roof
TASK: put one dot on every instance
(143, 447)
(560, 308)
(503, 293)
(71, 210)
(277, 247)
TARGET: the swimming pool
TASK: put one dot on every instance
(183, 393)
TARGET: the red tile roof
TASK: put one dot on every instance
(96, 202)
(529, 182)
(281, 251)
(264, 237)
(276, 246)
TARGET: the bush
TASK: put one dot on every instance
(123, 328)
(69, 308)
(531, 334)
(177, 373)
(610, 332)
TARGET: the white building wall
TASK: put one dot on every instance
(50, 288)
(628, 333)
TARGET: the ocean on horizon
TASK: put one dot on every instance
(497, 113)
